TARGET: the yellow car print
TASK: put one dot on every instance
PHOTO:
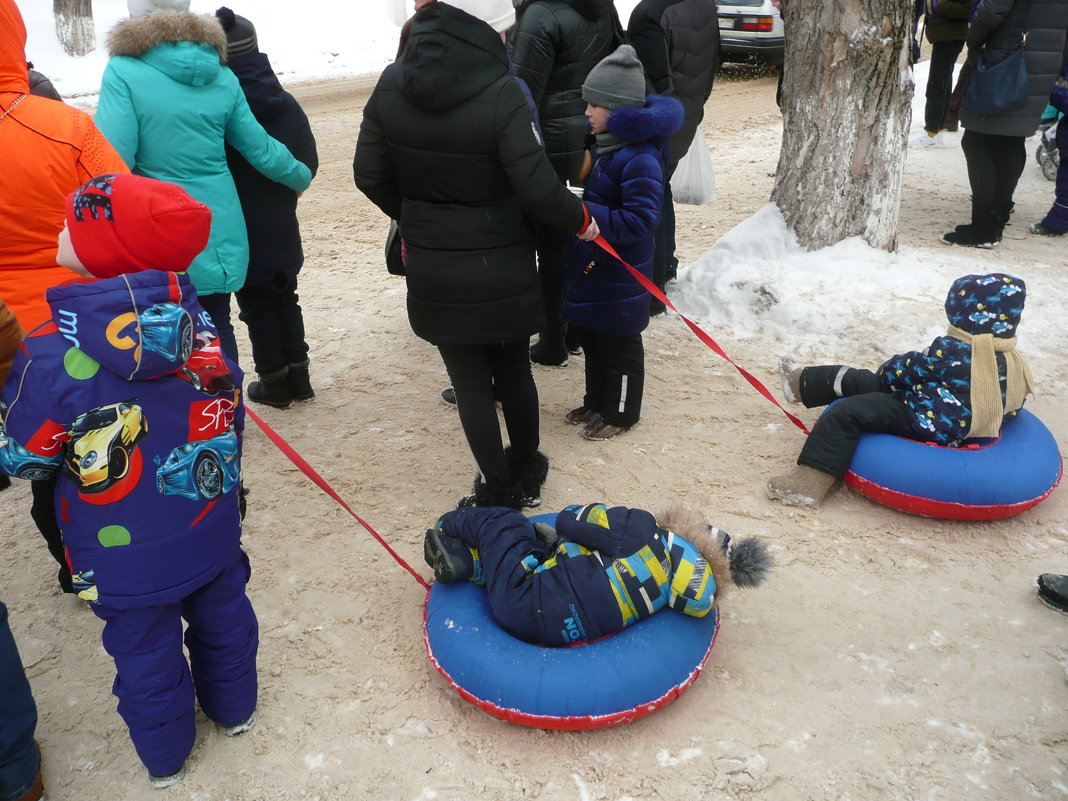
(101, 442)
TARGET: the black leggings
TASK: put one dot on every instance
(865, 407)
(482, 375)
(995, 164)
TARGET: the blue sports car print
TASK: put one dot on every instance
(16, 461)
(200, 470)
(167, 329)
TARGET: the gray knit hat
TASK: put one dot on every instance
(240, 33)
(617, 80)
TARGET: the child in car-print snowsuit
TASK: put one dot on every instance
(962, 387)
(126, 392)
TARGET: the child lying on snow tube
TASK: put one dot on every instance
(600, 570)
(964, 386)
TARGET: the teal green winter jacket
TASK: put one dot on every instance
(169, 105)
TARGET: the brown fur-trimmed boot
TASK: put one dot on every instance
(790, 372)
(803, 486)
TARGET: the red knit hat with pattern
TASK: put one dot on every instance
(127, 223)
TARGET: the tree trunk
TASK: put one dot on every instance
(74, 26)
(847, 93)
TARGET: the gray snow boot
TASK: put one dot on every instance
(803, 486)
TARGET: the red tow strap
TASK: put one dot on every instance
(698, 331)
(649, 286)
(310, 472)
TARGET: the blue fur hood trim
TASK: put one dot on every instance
(658, 119)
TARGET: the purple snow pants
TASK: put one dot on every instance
(153, 682)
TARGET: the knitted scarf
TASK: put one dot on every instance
(987, 407)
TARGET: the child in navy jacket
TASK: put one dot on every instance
(624, 192)
(126, 392)
(596, 572)
(962, 387)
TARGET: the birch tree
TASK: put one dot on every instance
(847, 93)
(74, 26)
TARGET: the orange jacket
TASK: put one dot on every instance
(47, 150)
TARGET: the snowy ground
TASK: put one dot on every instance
(888, 656)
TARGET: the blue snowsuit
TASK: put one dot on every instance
(127, 393)
(610, 568)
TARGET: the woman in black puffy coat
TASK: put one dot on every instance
(994, 145)
(448, 147)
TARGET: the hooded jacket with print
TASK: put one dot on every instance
(935, 384)
(126, 392)
(168, 104)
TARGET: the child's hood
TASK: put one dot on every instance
(986, 304)
(658, 119)
(139, 326)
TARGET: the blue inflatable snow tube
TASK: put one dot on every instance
(603, 683)
(982, 482)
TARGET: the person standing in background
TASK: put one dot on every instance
(168, 104)
(994, 145)
(47, 150)
(268, 300)
(677, 42)
(945, 26)
(555, 44)
(21, 778)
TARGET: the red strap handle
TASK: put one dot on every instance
(698, 331)
(310, 472)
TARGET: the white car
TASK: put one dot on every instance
(750, 29)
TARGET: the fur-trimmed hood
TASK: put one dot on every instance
(659, 118)
(141, 37)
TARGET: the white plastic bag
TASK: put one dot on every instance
(399, 11)
(694, 181)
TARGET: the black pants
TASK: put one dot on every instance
(218, 307)
(940, 84)
(615, 375)
(865, 408)
(275, 325)
(482, 375)
(995, 164)
(43, 512)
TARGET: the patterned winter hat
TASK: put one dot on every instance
(126, 223)
(240, 33)
(987, 304)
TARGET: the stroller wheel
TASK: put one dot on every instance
(1050, 166)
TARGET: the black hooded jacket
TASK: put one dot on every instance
(448, 147)
(270, 209)
(555, 45)
(678, 44)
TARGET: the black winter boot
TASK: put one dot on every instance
(299, 381)
(271, 390)
(984, 231)
(530, 472)
(551, 349)
(493, 495)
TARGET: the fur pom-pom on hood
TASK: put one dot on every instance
(135, 37)
(742, 563)
(658, 119)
